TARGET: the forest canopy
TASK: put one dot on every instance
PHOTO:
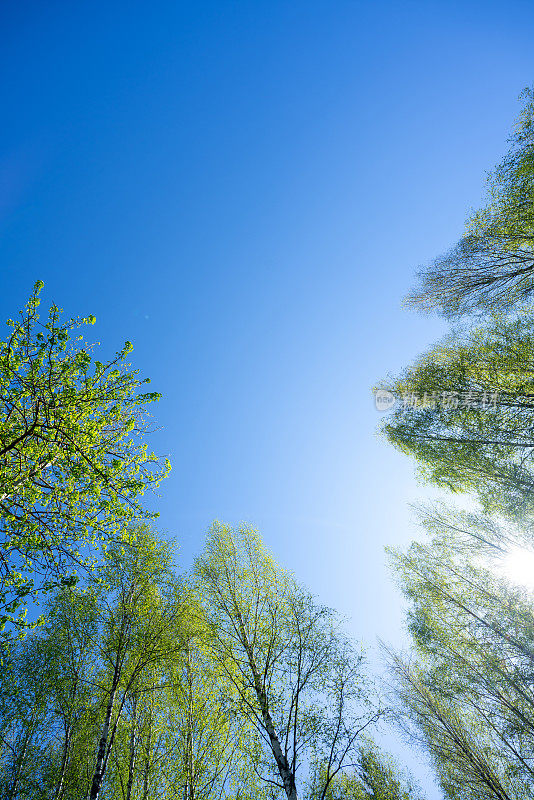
(230, 680)
(464, 412)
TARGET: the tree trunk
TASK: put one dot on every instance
(282, 763)
(64, 760)
(147, 760)
(131, 766)
(18, 771)
(101, 759)
(190, 790)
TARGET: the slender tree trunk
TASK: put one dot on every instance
(131, 766)
(64, 760)
(190, 791)
(101, 759)
(20, 764)
(282, 763)
(147, 759)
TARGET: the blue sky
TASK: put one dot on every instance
(244, 190)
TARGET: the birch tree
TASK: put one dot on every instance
(297, 679)
(25, 715)
(374, 775)
(142, 619)
(492, 266)
(469, 689)
(465, 412)
(206, 751)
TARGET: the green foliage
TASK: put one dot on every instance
(136, 684)
(466, 413)
(208, 748)
(72, 684)
(470, 691)
(492, 266)
(295, 677)
(145, 686)
(73, 463)
(375, 776)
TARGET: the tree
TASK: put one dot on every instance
(143, 686)
(25, 715)
(469, 693)
(466, 412)
(68, 642)
(297, 679)
(80, 696)
(73, 463)
(469, 768)
(142, 619)
(375, 776)
(492, 266)
(208, 750)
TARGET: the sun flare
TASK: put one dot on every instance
(518, 567)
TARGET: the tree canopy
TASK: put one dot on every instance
(74, 463)
(464, 411)
(231, 681)
(492, 266)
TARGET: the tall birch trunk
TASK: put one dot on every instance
(20, 764)
(131, 766)
(282, 763)
(101, 758)
(147, 759)
(63, 769)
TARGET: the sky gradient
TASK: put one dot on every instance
(245, 190)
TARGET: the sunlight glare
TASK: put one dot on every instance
(518, 567)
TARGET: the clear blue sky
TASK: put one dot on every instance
(244, 190)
